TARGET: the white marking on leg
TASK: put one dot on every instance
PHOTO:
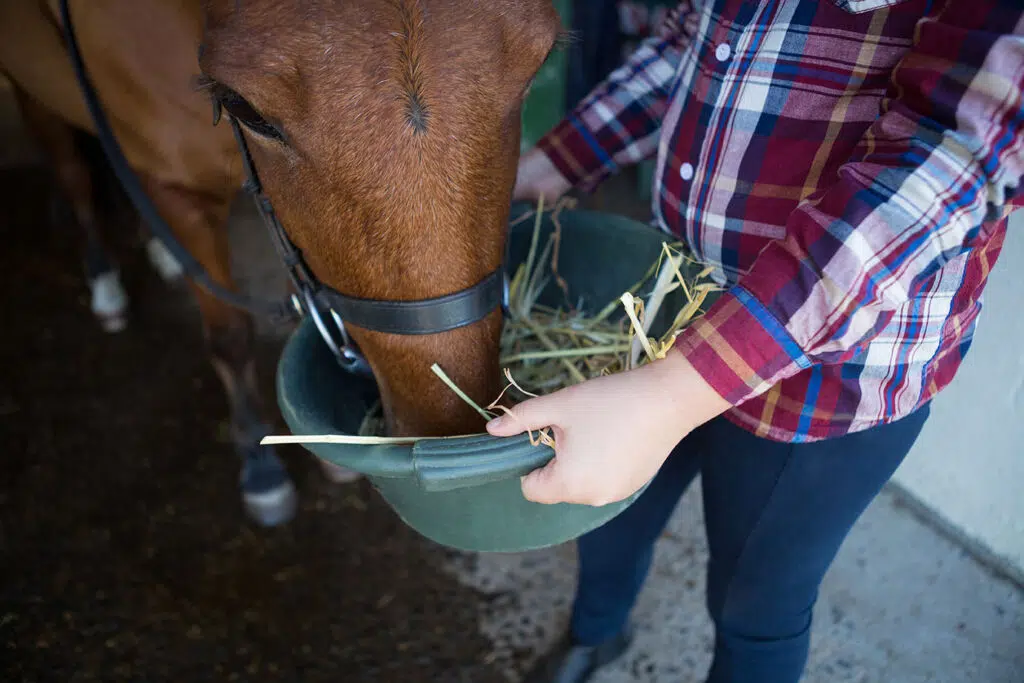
(109, 301)
(163, 261)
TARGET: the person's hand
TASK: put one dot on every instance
(613, 433)
(537, 176)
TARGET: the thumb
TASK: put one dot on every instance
(533, 414)
(544, 485)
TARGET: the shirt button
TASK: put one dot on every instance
(722, 52)
(686, 171)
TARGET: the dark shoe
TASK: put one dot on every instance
(571, 663)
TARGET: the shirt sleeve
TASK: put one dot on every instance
(619, 122)
(928, 181)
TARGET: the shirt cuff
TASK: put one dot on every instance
(740, 348)
(575, 152)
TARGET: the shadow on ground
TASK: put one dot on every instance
(124, 554)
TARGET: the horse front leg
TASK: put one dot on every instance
(199, 220)
(108, 301)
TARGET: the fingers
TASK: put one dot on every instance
(536, 176)
(536, 413)
(553, 483)
(543, 485)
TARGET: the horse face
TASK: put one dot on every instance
(386, 133)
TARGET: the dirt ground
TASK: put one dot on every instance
(124, 553)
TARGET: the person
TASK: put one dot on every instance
(595, 50)
(847, 168)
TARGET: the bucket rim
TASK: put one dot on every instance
(482, 458)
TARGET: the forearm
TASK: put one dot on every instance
(619, 122)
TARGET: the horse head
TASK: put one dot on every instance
(386, 134)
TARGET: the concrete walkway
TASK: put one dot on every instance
(900, 605)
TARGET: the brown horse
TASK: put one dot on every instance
(386, 132)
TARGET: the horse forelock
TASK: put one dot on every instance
(410, 39)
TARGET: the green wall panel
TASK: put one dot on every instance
(545, 105)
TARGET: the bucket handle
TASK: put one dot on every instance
(464, 462)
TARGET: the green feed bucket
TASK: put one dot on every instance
(464, 492)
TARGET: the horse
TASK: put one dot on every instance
(385, 132)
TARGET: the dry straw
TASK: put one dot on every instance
(546, 348)
(550, 348)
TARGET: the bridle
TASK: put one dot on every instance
(420, 317)
(328, 308)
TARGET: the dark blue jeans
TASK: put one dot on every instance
(775, 514)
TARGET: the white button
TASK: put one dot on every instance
(686, 171)
(722, 52)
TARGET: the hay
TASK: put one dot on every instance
(547, 349)
(544, 349)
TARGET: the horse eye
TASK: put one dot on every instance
(245, 113)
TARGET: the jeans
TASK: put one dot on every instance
(776, 515)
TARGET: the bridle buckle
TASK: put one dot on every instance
(346, 353)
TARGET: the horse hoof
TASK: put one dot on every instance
(268, 494)
(109, 301)
(337, 474)
(163, 262)
(112, 324)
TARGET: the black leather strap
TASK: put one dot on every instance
(277, 310)
(425, 316)
(428, 316)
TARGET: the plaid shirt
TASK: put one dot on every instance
(846, 166)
